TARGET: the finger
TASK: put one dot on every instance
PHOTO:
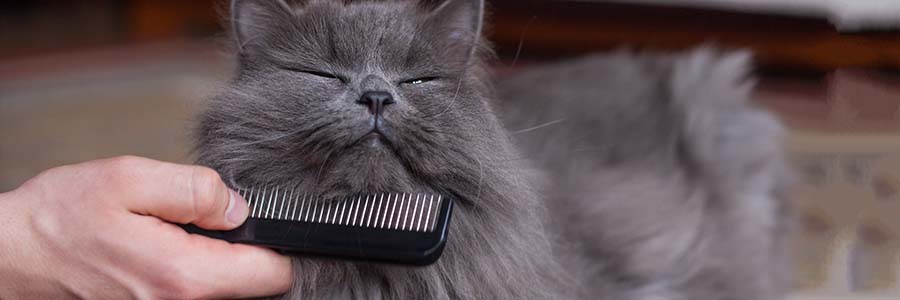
(176, 193)
(215, 269)
(241, 271)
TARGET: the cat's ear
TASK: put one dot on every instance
(251, 19)
(459, 23)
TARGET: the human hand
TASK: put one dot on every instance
(104, 230)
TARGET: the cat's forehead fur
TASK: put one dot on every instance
(355, 36)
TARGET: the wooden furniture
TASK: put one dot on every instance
(535, 28)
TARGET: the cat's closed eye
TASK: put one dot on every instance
(317, 73)
(417, 81)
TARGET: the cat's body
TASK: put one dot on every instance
(346, 97)
(662, 179)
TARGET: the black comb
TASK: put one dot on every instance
(392, 227)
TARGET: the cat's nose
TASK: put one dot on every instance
(376, 101)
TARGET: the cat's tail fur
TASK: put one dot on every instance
(737, 149)
(663, 177)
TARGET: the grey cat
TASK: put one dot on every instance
(347, 97)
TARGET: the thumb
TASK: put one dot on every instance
(183, 194)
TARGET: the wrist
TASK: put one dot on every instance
(22, 272)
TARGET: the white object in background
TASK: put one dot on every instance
(846, 15)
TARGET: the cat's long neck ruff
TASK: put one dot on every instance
(497, 247)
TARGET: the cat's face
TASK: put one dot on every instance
(349, 96)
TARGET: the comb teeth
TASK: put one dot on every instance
(392, 211)
(403, 228)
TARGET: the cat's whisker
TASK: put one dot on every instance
(451, 103)
(522, 41)
(322, 167)
(285, 135)
(517, 158)
(533, 128)
(284, 5)
(269, 139)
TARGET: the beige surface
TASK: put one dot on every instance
(141, 105)
(847, 208)
(845, 14)
(147, 120)
(845, 144)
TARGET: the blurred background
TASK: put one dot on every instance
(81, 80)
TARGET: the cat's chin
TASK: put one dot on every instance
(370, 166)
(374, 141)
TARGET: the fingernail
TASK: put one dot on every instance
(237, 210)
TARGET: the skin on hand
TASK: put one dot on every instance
(104, 230)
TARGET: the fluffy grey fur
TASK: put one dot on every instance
(663, 181)
(658, 173)
(290, 118)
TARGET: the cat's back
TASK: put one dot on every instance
(658, 172)
(624, 109)
(587, 101)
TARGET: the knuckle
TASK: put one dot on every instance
(45, 176)
(46, 185)
(119, 170)
(125, 162)
(177, 283)
(206, 186)
(50, 173)
(175, 290)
